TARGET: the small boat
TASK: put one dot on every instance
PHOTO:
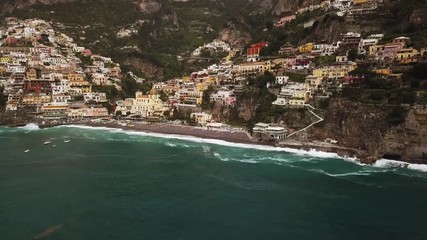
(47, 142)
(26, 150)
(53, 145)
(66, 141)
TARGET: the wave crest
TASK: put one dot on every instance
(30, 127)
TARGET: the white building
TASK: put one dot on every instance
(201, 117)
(95, 97)
(15, 68)
(281, 80)
(267, 132)
(293, 94)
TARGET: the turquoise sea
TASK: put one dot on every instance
(111, 184)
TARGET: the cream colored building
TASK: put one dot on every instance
(201, 117)
(145, 105)
(80, 87)
(252, 67)
(313, 82)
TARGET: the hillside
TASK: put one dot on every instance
(167, 29)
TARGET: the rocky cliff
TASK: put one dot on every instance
(10, 5)
(365, 127)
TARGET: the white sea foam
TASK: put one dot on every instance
(383, 163)
(206, 149)
(30, 127)
(386, 163)
(311, 152)
(170, 144)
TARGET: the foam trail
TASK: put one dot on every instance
(30, 127)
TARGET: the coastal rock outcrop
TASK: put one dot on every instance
(365, 127)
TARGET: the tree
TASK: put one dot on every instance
(164, 96)
(206, 99)
(205, 53)
(3, 99)
(191, 121)
(352, 54)
(130, 87)
(167, 114)
(396, 116)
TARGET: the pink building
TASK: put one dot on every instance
(390, 51)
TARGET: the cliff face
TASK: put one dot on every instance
(10, 5)
(364, 127)
(276, 7)
(282, 6)
(409, 141)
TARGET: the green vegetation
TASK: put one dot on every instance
(396, 116)
(296, 77)
(130, 87)
(111, 91)
(323, 60)
(258, 91)
(3, 99)
(377, 90)
(206, 101)
(352, 54)
(163, 96)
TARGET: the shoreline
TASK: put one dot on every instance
(240, 137)
(243, 138)
(317, 149)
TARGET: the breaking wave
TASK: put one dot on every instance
(385, 163)
(30, 127)
(315, 154)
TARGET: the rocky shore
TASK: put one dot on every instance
(231, 135)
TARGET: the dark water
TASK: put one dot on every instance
(113, 185)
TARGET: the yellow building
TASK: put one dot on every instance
(313, 82)
(334, 71)
(77, 77)
(186, 79)
(34, 99)
(190, 96)
(382, 71)
(5, 59)
(407, 53)
(80, 87)
(252, 67)
(31, 74)
(375, 50)
(359, 1)
(54, 112)
(306, 48)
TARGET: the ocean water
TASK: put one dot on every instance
(112, 184)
